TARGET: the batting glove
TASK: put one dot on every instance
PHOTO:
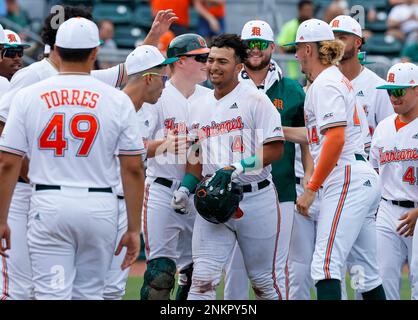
(180, 200)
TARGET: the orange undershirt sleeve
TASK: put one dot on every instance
(328, 158)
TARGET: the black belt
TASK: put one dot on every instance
(261, 185)
(298, 180)
(40, 187)
(121, 197)
(403, 203)
(20, 179)
(163, 181)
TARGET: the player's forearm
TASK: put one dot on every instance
(307, 160)
(132, 172)
(155, 147)
(271, 152)
(9, 173)
(296, 134)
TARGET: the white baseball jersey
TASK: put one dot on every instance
(43, 69)
(395, 153)
(376, 103)
(330, 103)
(234, 128)
(4, 86)
(72, 121)
(171, 113)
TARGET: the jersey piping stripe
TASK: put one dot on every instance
(273, 139)
(333, 125)
(287, 277)
(145, 220)
(3, 119)
(12, 150)
(120, 75)
(275, 285)
(5, 293)
(131, 152)
(336, 220)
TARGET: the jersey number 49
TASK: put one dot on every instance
(53, 135)
(410, 175)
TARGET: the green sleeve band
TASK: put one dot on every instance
(190, 181)
(251, 163)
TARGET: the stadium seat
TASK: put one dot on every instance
(377, 26)
(367, 4)
(86, 3)
(143, 16)
(118, 13)
(127, 36)
(379, 43)
(193, 19)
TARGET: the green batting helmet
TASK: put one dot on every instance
(187, 44)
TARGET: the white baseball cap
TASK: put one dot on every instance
(313, 30)
(78, 33)
(257, 30)
(346, 24)
(146, 57)
(13, 39)
(401, 76)
(3, 39)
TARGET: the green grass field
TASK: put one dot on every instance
(135, 283)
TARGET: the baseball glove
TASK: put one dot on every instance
(217, 198)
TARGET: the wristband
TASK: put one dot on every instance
(190, 182)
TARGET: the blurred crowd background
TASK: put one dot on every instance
(390, 26)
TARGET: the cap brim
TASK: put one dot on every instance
(394, 86)
(21, 45)
(345, 31)
(259, 38)
(169, 61)
(366, 62)
(290, 44)
(199, 51)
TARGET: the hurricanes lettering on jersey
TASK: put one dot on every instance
(216, 129)
(70, 97)
(396, 155)
(178, 127)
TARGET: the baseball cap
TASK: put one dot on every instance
(401, 76)
(14, 40)
(257, 30)
(313, 30)
(187, 44)
(3, 39)
(145, 57)
(78, 33)
(346, 24)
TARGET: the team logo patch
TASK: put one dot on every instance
(202, 41)
(412, 82)
(302, 38)
(234, 106)
(256, 32)
(360, 94)
(12, 38)
(415, 136)
(328, 115)
(278, 103)
(336, 24)
(391, 77)
(277, 129)
(367, 183)
(37, 217)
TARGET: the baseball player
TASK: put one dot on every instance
(394, 154)
(72, 126)
(146, 69)
(168, 234)
(16, 270)
(288, 98)
(12, 56)
(376, 103)
(351, 190)
(240, 135)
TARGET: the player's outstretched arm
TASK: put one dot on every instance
(172, 144)
(296, 134)
(161, 24)
(9, 172)
(132, 172)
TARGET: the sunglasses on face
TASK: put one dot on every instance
(11, 53)
(397, 93)
(164, 77)
(203, 58)
(260, 44)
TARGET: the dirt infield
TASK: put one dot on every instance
(137, 269)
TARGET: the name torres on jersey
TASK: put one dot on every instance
(71, 97)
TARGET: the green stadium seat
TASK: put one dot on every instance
(127, 36)
(367, 4)
(118, 13)
(381, 44)
(193, 19)
(129, 3)
(377, 26)
(86, 3)
(143, 16)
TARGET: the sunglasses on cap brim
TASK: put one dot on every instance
(260, 44)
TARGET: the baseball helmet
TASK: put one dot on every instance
(215, 203)
(187, 44)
